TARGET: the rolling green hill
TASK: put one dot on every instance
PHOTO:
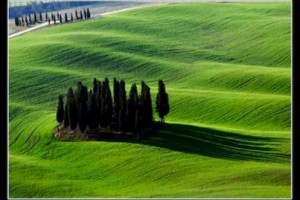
(227, 71)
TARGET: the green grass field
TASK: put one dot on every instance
(227, 71)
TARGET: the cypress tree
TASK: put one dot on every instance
(26, 21)
(16, 21)
(67, 108)
(72, 17)
(82, 116)
(35, 18)
(66, 17)
(162, 101)
(72, 111)
(116, 98)
(146, 106)
(66, 113)
(122, 104)
(57, 15)
(102, 104)
(46, 16)
(92, 111)
(30, 20)
(49, 21)
(98, 102)
(121, 116)
(137, 121)
(52, 16)
(106, 104)
(81, 95)
(54, 19)
(94, 86)
(132, 106)
(41, 17)
(76, 14)
(81, 17)
(84, 13)
(88, 13)
(23, 21)
(60, 110)
(60, 19)
(122, 94)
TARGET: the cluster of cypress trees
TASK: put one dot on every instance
(42, 17)
(29, 19)
(98, 108)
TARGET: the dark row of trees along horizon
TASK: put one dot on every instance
(98, 108)
(34, 18)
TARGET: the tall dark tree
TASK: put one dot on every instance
(72, 17)
(95, 86)
(84, 13)
(66, 17)
(57, 15)
(116, 98)
(137, 121)
(72, 111)
(132, 106)
(122, 104)
(76, 14)
(146, 106)
(122, 95)
(68, 117)
(46, 16)
(23, 21)
(16, 21)
(52, 16)
(60, 19)
(30, 20)
(81, 96)
(162, 101)
(88, 13)
(81, 16)
(26, 21)
(92, 111)
(82, 116)
(66, 113)
(35, 17)
(106, 104)
(60, 110)
(121, 117)
(54, 19)
(41, 17)
(98, 99)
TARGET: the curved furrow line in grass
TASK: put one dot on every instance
(226, 112)
(111, 19)
(260, 78)
(28, 139)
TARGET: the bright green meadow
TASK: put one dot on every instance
(227, 71)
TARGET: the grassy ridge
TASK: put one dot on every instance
(226, 66)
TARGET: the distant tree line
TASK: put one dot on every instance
(35, 17)
(99, 108)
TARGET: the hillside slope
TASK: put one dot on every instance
(227, 72)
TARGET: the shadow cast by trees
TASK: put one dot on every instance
(215, 143)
